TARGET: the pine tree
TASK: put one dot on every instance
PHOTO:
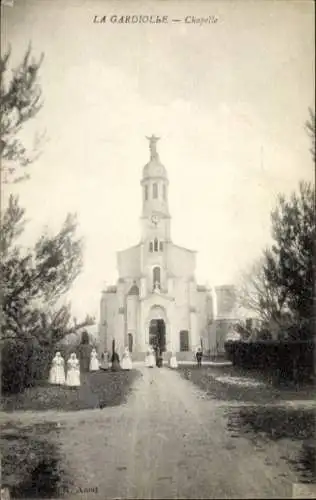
(34, 319)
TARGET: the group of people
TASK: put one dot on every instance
(57, 375)
(114, 361)
(154, 358)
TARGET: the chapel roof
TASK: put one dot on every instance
(154, 169)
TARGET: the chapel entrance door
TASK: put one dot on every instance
(157, 334)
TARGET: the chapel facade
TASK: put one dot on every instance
(156, 300)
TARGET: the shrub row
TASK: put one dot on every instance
(293, 360)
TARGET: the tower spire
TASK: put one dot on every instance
(153, 146)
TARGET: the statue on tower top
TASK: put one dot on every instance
(152, 146)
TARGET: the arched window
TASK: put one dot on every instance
(156, 275)
(161, 246)
(164, 191)
(146, 192)
(184, 340)
(155, 190)
(151, 247)
(156, 245)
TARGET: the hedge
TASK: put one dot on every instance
(292, 360)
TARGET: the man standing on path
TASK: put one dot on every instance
(199, 355)
(158, 357)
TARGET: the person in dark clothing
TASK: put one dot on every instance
(158, 354)
(105, 361)
(115, 360)
(199, 356)
(160, 359)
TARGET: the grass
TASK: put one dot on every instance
(97, 390)
(292, 429)
(204, 378)
(30, 465)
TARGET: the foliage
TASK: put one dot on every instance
(32, 282)
(289, 263)
(20, 100)
(14, 358)
(274, 355)
(311, 130)
(30, 461)
(34, 320)
(280, 287)
(35, 279)
(258, 295)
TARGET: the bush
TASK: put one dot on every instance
(14, 357)
(24, 363)
(291, 359)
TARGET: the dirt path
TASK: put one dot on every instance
(167, 442)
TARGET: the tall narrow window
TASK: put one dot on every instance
(156, 276)
(146, 193)
(151, 247)
(160, 246)
(156, 245)
(130, 342)
(155, 190)
(164, 191)
(184, 340)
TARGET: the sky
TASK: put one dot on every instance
(229, 101)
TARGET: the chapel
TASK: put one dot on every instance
(156, 300)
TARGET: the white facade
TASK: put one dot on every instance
(157, 282)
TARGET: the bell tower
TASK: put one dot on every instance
(155, 212)
(155, 222)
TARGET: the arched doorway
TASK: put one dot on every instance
(157, 334)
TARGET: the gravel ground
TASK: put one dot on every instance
(169, 440)
(31, 464)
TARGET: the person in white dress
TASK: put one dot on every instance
(57, 371)
(94, 362)
(150, 358)
(126, 360)
(73, 372)
(173, 361)
(147, 357)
